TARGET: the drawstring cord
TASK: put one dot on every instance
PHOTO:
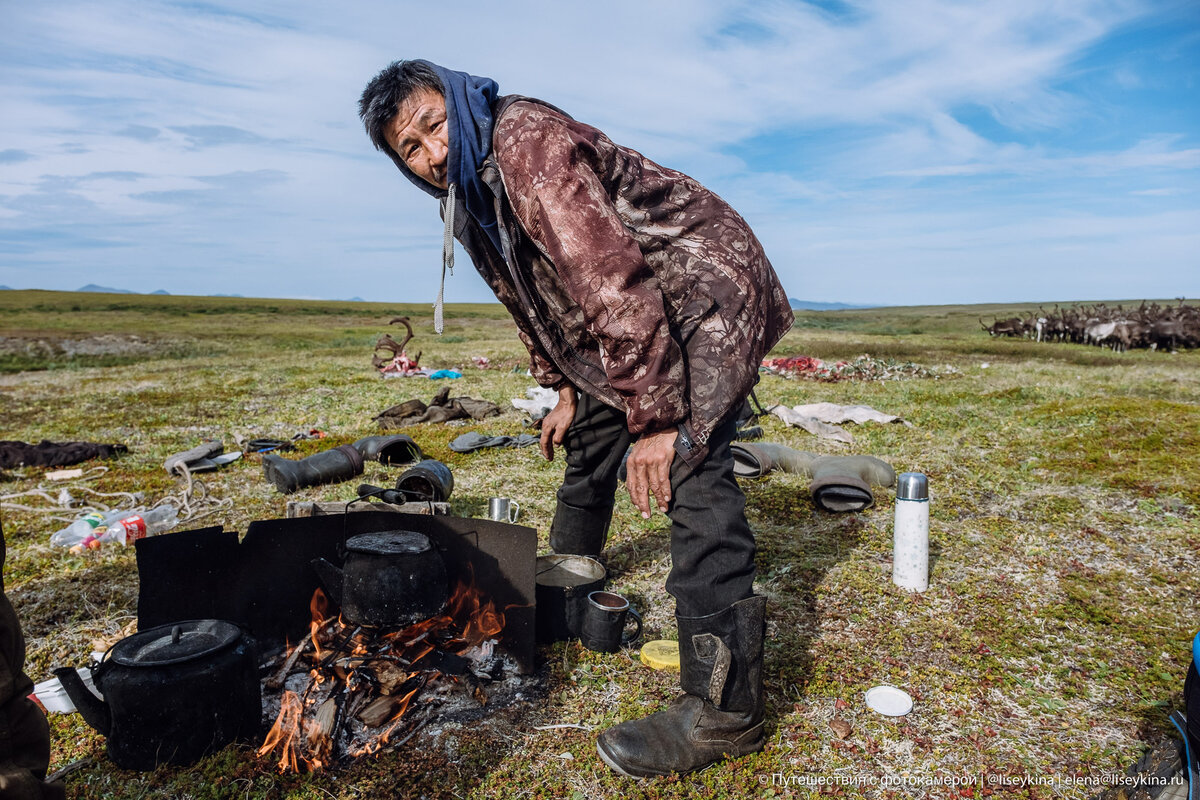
(447, 261)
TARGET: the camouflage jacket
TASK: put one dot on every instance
(630, 281)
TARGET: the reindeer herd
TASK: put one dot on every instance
(1148, 326)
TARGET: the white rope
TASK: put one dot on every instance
(447, 262)
(194, 497)
(193, 502)
(61, 508)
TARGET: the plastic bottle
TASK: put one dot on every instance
(138, 526)
(910, 540)
(92, 540)
(88, 524)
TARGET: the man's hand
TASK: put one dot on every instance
(558, 421)
(649, 470)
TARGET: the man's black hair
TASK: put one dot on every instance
(392, 86)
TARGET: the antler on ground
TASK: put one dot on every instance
(386, 342)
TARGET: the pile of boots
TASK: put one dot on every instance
(839, 483)
(720, 713)
(339, 464)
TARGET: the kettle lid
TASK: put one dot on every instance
(175, 643)
(390, 543)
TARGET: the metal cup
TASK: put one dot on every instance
(501, 509)
(604, 623)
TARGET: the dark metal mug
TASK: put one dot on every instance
(604, 623)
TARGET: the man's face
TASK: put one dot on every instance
(420, 137)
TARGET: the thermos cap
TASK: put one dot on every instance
(912, 486)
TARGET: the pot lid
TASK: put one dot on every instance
(175, 643)
(390, 543)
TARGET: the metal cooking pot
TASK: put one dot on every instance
(564, 582)
(390, 579)
(172, 694)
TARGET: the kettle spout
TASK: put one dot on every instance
(331, 578)
(94, 710)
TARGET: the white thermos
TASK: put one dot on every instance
(910, 539)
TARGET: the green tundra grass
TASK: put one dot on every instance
(1052, 642)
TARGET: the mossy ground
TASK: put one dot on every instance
(1052, 641)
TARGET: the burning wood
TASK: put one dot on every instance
(354, 689)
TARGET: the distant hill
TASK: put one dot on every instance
(356, 299)
(91, 287)
(808, 305)
(6, 289)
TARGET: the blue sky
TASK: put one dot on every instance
(886, 152)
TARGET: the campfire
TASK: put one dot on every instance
(347, 691)
(362, 643)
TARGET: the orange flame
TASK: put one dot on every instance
(479, 618)
(404, 701)
(299, 740)
(284, 732)
(317, 607)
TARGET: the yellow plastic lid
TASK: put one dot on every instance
(661, 654)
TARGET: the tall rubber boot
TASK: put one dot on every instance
(398, 449)
(720, 714)
(331, 466)
(843, 483)
(758, 459)
(579, 531)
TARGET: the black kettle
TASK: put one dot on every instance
(172, 694)
(390, 579)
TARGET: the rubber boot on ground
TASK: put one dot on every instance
(331, 466)
(753, 460)
(426, 481)
(397, 449)
(720, 714)
(579, 531)
(843, 483)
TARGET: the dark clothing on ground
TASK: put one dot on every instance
(470, 442)
(54, 454)
(24, 734)
(712, 547)
(442, 408)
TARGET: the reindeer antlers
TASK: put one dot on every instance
(386, 342)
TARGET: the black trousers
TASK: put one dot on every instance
(712, 546)
(24, 732)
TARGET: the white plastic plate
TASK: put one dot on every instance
(889, 701)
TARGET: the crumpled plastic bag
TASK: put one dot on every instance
(538, 402)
